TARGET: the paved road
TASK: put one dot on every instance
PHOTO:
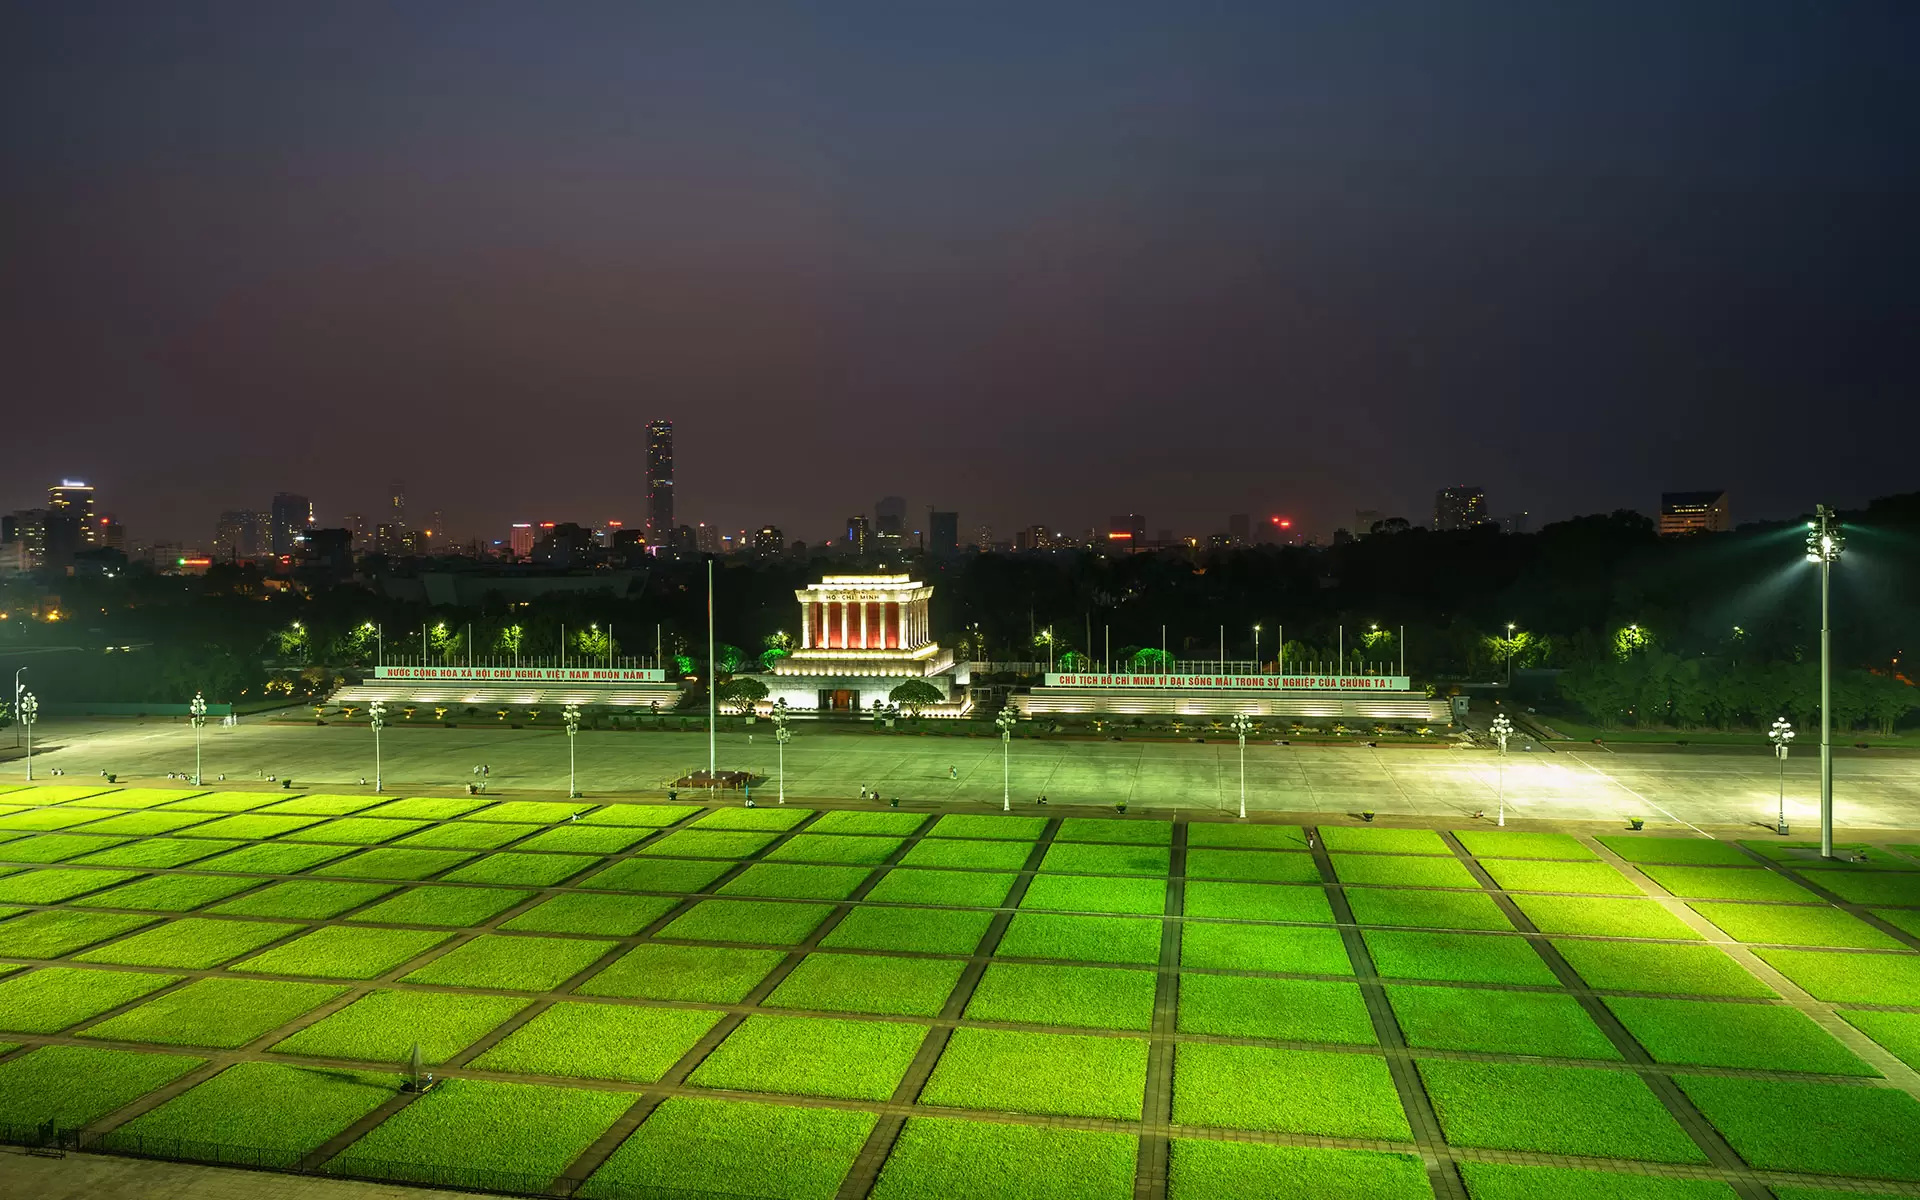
(1584, 783)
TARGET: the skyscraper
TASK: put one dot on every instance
(73, 500)
(1459, 508)
(397, 503)
(289, 519)
(857, 532)
(943, 533)
(659, 480)
(238, 534)
(520, 539)
(890, 516)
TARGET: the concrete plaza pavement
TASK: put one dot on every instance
(1575, 782)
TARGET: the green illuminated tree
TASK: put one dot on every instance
(741, 693)
(914, 695)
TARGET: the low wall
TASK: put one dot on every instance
(1400, 708)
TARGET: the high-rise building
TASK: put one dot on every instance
(1694, 512)
(706, 538)
(768, 542)
(890, 516)
(289, 518)
(1459, 508)
(983, 539)
(943, 533)
(362, 531)
(240, 533)
(1515, 522)
(1126, 533)
(397, 504)
(1033, 537)
(74, 500)
(437, 527)
(659, 480)
(520, 539)
(857, 533)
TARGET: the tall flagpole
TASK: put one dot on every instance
(712, 667)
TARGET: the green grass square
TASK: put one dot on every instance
(1652, 967)
(1587, 1111)
(272, 858)
(531, 1131)
(706, 974)
(1376, 840)
(1402, 870)
(586, 839)
(226, 802)
(657, 875)
(709, 843)
(868, 983)
(1071, 997)
(1794, 926)
(383, 1026)
(1069, 1075)
(455, 907)
(1816, 1128)
(1457, 957)
(1258, 902)
(122, 798)
(53, 998)
(1604, 916)
(1211, 1170)
(1897, 1032)
(991, 856)
(698, 1147)
(886, 824)
(1729, 883)
(1093, 859)
(50, 885)
(1239, 835)
(600, 1041)
(836, 848)
(1097, 894)
(56, 933)
(360, 831)
(1260, 866)
(922, 930)
(588, 912)
(145, 824)
(1425, 909)
(155, 852)
(1851, 978)
(787, 881)
(74, 1086)
(979, 825)
(1904, 919)
(1692, 851)
(1549, 1024)
(321, 804)
(1119, 830)
(648, 816)
(1589, 878)
(191, 943)
(251, 826)
(219, 1012)
(54, 847)
(392, 863)
(1288, 949)
(974, 1160)
(1498, 843)
(171, 893)
(510, 963)
(1332, 1094)
(1720, 1033)
(974, 889)
(778, 819)
(427, 808)
(344, 952)
(531, 812)
(46, 819)
(522, 870)
(1512, 1181)
(812, 1056)
(303, 899)
(762, 922)
(1868, 887)
(1280, 1010)
(465, 835)
(280, 1113)
(1082, 939)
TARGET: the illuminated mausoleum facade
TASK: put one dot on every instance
(861, 636)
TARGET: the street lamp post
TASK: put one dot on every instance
(18, 691)
(29, 712)
(1510, 627)
(781, 736)
(1824, 544)
(377, 718)
(198, 709)
(1501, 730)
(571, 715)
(1256, 649)
(1242, 726)
(1005, 722)
(1780, 735)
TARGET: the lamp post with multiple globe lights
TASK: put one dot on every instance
(377, 718)
(29, 712)
(198, 710)
(1502, 729)
(1780, 735)
(781, 736)
(1005, 723)
(571, 716)
(1242, 725)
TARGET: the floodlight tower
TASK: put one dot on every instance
(1780, 735)
(1502, 729)
(1242, 725)
(1824, 544)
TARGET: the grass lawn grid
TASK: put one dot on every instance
(1817, 1128)
(123, 798)
(787, 881)
(1082, 939)
(1547, 1024)
(586, 839)
(393, 864)
(1087, 858)
(464, 835)
(869, 983)
(704, 974)
(953, 852)
(1237, 836)
(975, 889)
(54, 847)
(499, 1132)
(54, 998)
(1073, 997)
(1897, 1032)
(1585, 1111)
(1729, 883)
(1329, 1093)
(45, 820)
(531, 812)
(74, 1086)
(285, 1112)
(1402, 871)
(1794, 926)
(321, 804)
(925, 930)
(1906, 920)
(1512, 1181)
(1870, 887)
(1289, 950)
(656, 875)
(1384, 841)
(360, 831)
(156, 852)
(450, 906)
(1719, 1033)
(709, 843)
(145, 824)
(191, 943)
(600, 1041)
(695, 1146)
(1260, 866)
(589, 912)
(50, 885)
(1685, 851)
(344, 952)
(1533, 875)
(382, 1026)
(1096, 894)
(57, 932)
(1218, 1170)
(1120, 830)
(650, 816)
(1457, 957)
(225, 802)
(979, 825)
(216, 1011)
(979, 1160)
(304, 899)
(812, 1056)
(1070, 1075)
(171, 893)
(272, 858)
(1604, 916)
(1653, 967)
(511, 962)
(427, 808)
(1258, 902)
(251, 826)
(776, 820)
(1280, 1010)
(523, 870)
(1426, 909)
(886, 824)
(1851, 978)
(836, 848)
(1495, 843)
(756, 922)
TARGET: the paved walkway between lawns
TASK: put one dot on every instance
(101, 1177)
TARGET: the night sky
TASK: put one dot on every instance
(1041, 263)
